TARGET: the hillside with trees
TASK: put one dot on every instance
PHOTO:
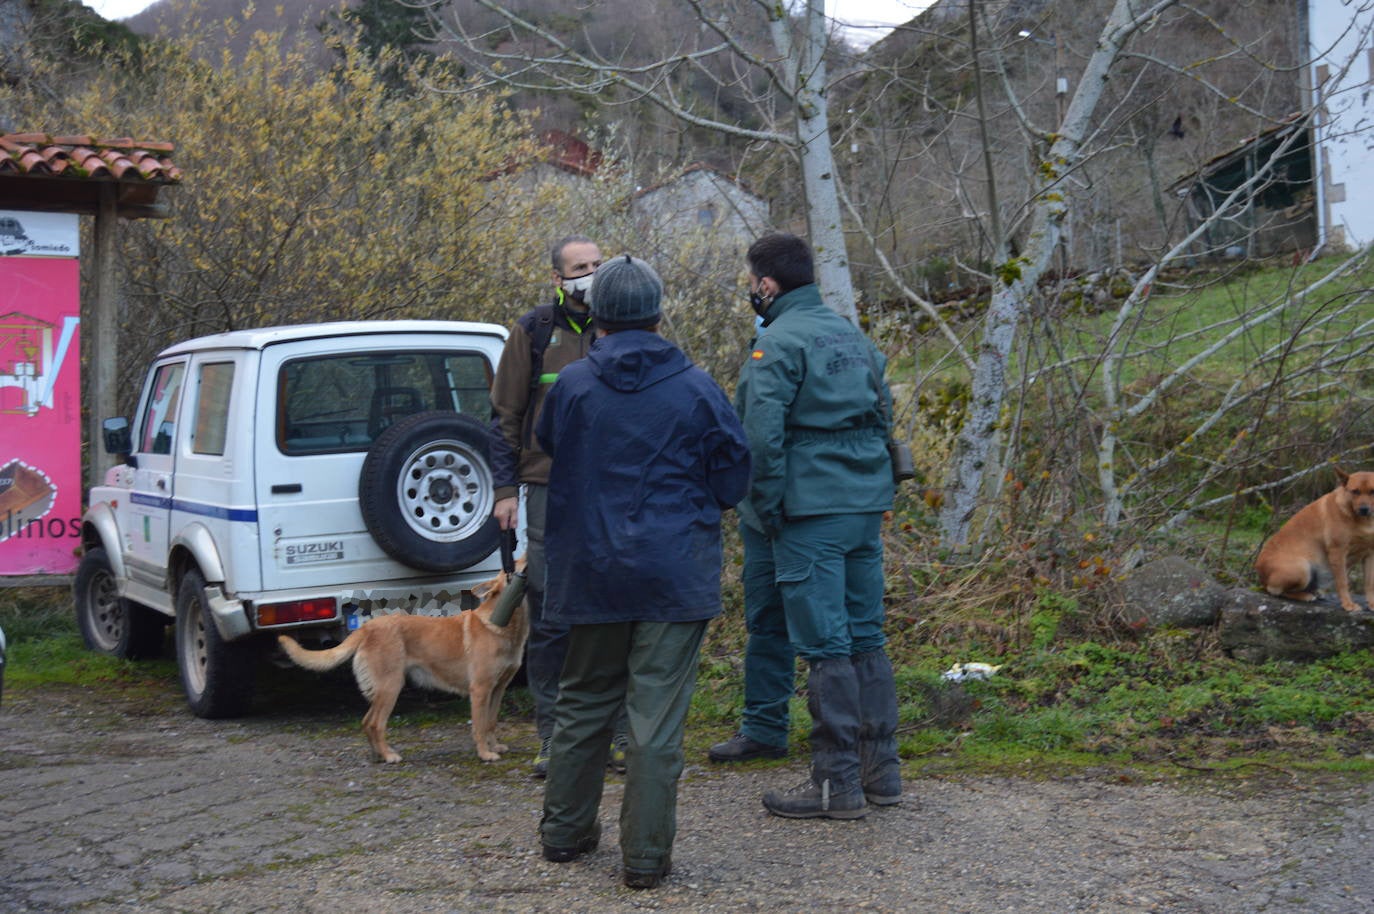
(626, 30)
(1191, 85)
(1195, 82)
(1020, 252)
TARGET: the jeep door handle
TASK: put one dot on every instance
(286, 488)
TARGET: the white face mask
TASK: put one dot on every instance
(578, 286)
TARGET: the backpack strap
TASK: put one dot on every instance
(540, 331)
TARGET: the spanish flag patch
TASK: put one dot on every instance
(756, 354)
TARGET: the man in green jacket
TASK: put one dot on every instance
(814, 405)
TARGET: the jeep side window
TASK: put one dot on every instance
(212, 408)
(157, 427)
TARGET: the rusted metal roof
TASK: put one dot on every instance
(67, 173)
(564, 151)
(560, 150)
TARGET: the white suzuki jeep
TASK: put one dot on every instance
(291, 479)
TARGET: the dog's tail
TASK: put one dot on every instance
(319, 661)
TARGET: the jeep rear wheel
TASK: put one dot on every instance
(217, 675)
(109, 623)
(426, 492)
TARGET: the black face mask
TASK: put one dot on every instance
(577, 287)
(760, 302)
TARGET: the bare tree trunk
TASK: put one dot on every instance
(984, 420)
(1016, 280)
(798, 70)
(823, 213)
(997, 237)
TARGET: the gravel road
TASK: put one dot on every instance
(114, 803)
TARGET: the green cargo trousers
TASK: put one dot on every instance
(652, 667)
(815, 590)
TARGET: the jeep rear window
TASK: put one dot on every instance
(340, 403)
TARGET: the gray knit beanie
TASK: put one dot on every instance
(625, 294)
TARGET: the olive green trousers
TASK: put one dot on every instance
(652, 667)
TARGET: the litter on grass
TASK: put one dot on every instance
(962, 671)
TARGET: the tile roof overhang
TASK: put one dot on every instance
(69, 174)
(568, 153)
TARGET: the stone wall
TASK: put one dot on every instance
(1252, 625)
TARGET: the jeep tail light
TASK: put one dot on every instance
(321, 609)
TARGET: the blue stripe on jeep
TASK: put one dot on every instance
(249, 515)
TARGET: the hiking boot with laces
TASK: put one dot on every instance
(541, 761)
(809, 800)
(619, 744)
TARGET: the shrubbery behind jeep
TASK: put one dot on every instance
(291, 479)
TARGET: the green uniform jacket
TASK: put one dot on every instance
(808, 395)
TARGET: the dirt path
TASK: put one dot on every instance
(108, 804)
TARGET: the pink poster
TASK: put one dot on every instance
(40, 415)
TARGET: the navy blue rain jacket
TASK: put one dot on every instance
(647, 452)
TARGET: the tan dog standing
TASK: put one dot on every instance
(464, 654)
(1324, 537)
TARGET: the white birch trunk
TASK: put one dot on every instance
(1016, 280)
(823, 213)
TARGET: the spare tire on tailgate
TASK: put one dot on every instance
(426, 492)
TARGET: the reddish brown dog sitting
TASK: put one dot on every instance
(465, 654)
(1323, 538)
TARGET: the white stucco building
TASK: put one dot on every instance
(1341, 77)
(701, 201)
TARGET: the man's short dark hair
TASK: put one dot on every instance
(556, 253)
(783, 257)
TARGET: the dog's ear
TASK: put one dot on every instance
(487, 588)
(1342, 477)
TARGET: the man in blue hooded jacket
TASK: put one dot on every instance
(647, 452)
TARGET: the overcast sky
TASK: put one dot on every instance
(852, 12)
